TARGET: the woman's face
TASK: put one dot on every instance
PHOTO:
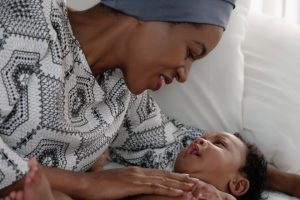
(159, 52)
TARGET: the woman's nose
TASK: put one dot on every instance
(182, 74)
(183, 71)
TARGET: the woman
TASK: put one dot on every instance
(68, 81)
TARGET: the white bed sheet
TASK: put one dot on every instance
(279, 196)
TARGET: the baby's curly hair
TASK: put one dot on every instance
(255, 169)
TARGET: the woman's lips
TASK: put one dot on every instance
(159, 83)
(168, 80)
(163, 79)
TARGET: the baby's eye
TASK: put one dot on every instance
(190, 55)
(219, 143)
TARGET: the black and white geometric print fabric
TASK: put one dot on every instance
(150, 156)
(151, 143)
(51, 106)
(24, 18)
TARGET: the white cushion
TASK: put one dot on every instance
(271, 110)
(81, 4)
(278, 196)
(211, 98)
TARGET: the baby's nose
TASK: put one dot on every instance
(202, 142)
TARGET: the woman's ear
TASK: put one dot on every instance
(239, 186)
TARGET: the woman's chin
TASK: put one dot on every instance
(136, 91)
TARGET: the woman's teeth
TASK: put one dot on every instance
(162, 79)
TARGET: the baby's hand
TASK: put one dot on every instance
(98, 165)
(189, 196)
(205, 191)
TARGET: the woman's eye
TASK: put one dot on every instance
(190, 55)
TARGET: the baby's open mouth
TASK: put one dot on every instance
(193, 149)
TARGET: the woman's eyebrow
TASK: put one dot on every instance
(202, 47)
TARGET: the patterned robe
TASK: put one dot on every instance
(52, 107)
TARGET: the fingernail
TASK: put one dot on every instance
(200, 195)
(180, 174)
(190, 184)
(178, 191)
(194, 179)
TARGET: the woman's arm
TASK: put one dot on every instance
(201, 191)
(112, 184)
(62, 180)
(284, 182)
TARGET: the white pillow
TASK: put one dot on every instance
(278, 196)
(271, 112)
(80, 4)
(211, 98)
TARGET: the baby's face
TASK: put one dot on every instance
(214, 158)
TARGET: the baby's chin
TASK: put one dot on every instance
(183, 167)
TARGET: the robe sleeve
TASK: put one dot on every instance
(17, 64)
(12, 166)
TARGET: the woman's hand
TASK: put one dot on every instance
(131, 181)
(205, 191)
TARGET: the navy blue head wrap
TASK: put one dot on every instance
(216, 12)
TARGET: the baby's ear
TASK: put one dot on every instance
(239, 186)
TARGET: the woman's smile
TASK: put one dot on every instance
(159, 83)
(162, 79)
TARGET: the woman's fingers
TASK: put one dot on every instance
(180, 177)
(130, 181)
(151, 181)
(157, 189)
(167, 174)
(199, 190)
(170, 183)
(205, 191)
(169, 179)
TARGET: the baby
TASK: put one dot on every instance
(225, 161)
(221, 159)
